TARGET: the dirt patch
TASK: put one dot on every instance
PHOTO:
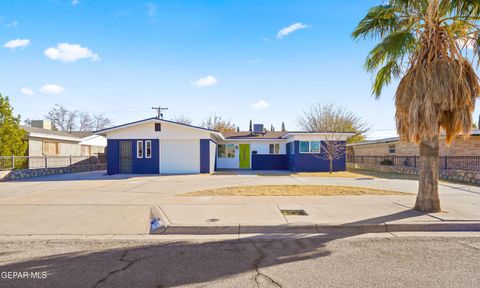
(293, 190)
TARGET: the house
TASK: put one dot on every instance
(157, 146)
(394, 147)
(43, 141)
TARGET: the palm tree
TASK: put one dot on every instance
(431, 46)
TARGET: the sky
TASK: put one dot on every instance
(262, 60)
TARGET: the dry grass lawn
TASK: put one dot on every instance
(339, 174)
(293, 190)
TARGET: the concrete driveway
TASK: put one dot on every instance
(93, 203)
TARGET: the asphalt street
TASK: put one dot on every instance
(313, 261)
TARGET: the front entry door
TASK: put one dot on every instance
(244, 156)
(125, 157)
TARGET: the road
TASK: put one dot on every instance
(314, 261)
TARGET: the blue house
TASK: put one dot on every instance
(157, 146)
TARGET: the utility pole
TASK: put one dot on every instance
(159, 111)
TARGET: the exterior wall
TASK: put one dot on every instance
(213, 156)
(175, 149)
(262, 147)
(204, 155)
(65, 148)
(460, 147)
(139, 165)
(35, 147)
(313, 162)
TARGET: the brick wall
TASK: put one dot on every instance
(460, 147)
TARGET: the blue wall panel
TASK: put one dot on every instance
(306, 162)
(113, 155)
(269, 162)
(204, 155)
(146, 165)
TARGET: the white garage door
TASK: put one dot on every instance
(180, 156)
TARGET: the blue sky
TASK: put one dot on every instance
(120, 58)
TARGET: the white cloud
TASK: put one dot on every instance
(67, 52)
(75, 2)
(52, 89)
(12, 44)
(290, 29)
(261, 104)
(12, 24)
(26, 91)
(469, 44)
(206, 81)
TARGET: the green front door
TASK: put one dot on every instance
(244, 156)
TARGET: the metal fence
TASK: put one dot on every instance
(465, 163)
(37, 162)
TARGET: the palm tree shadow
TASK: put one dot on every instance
(181, 263)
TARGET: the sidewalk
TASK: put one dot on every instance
(333, 214)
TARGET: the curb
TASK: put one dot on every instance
(240, 229)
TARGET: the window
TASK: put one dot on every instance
(391, 149)
(158, 127)
(139, 149)
(274, 149)
(50, 148)
(226, 151)
(148, 149)
(309, 146)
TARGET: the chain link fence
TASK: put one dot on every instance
(39, 162)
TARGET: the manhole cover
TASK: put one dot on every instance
(213, 220)
(294, 212)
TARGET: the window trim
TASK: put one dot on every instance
(148, 145)
(140, 145)
(276, 148)
(310, 147)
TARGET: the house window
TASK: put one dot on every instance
(50, 148)
(226, 151)
(158, 127)
(391, 149)
(274, 148)
(148, 149)
(139, 149)
(309, 146)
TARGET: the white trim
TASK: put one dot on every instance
(148, 143)
(51, 136)
(138, 150)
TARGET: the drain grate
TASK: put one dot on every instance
(294, 212)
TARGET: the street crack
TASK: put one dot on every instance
(113, 272)
(259, 274)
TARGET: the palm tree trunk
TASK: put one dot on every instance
(427, 197)
(331, 165)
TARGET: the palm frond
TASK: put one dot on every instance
(379, 21)
(384, 76)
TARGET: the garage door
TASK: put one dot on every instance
(180, 157)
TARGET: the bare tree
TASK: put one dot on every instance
(85, 121)
(217, 123)
(101, 122)
(333, 118)
(182, 119)
(62, 118)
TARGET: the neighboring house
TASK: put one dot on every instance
(394, 147)
(43, 141)
(153, 146)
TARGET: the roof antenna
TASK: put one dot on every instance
(159, 111)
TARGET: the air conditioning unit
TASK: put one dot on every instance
(257, 129)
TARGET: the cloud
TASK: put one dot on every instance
(206, 81)
(26, 91)
(67, 52)
(12, 24)
(52, 89)
(12, 44)
(75, 2)
(151, 9)
(467, 43)
(261, 104)
(290, 29)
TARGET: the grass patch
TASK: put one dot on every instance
(339, 174)
(378, 174)
(293, 190)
